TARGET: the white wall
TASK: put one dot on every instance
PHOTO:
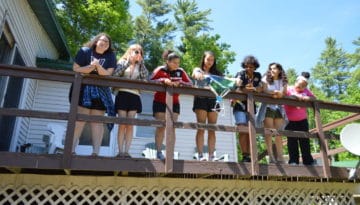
(185, 138)
(30, 36)
(32, 41)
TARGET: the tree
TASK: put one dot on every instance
(335, 72)
(83, 19)
(355, 57)
(352, 95)
(154, 31)
(191, 21)
(332, 71)
(193, 24)
(291, 75)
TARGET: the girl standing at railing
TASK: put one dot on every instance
(169, 74)
(298, 122)
(247, 80)
(204, 106)
(127, 101)
(96, 57)
(271, 115)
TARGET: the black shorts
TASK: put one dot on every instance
(161, 107)
(203, 103)
(96, 104)
(270, 113)
(128, 102)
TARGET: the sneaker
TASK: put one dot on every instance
(293, 163)
(201, 158)
(313, 163)
(159, 155)
(246, 159)
(213, 159)
(120, 155)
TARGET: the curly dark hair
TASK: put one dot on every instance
(250, 60)
(92, 44)
(305, 74)
(213, 70)
(282, 74)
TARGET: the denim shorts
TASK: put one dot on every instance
(240, 117)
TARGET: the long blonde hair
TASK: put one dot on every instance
(130, 49)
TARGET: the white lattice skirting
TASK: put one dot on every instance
(54, 189)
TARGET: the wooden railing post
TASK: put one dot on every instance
(72, 121)
(169, 130)
(252, 135)
(322, 141)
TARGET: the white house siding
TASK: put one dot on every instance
(185, 138)
(49, 96)
(30, 36)
(32, 41)
(53, 96)
(22, 127)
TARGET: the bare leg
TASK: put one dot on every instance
(244, 142)
(278, 122)
(97, 131)
(121, 133)
(269, 123)
(201, 118)
(160, 131)
(212, 119)
(129, 130)
(79, 126)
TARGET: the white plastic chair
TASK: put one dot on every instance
(224, 157)
(56, 136)
(150, 151)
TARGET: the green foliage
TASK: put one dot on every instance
(192, 24)
(355, 57)
(332, 71)
(195, 48)
(83, 19)
(291, 75)
(190, 20)
(154, 31)
(337, 80)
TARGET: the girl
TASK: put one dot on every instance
(247, 80)
(204, 106)
(96, 57)
(273, 116)
(127, 101)
(298, 122)
(171, 75)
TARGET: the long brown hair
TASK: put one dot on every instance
(92, 44)
(282, 74)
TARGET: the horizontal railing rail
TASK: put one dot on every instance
(72, 116)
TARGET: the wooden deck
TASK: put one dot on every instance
(87, 165)
(72, 165)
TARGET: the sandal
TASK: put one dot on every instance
(120, 155)
(127, 155)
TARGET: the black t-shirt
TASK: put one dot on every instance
(256, 81)
(106, 60)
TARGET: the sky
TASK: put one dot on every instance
(291, 33)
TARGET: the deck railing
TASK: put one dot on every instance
(69, 162)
